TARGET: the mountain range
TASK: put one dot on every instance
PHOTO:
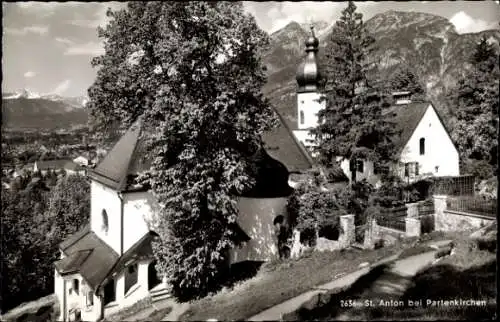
(26, 110)
(426, 42)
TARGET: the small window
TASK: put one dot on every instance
(422, 146)
(416, 168)
(90, 299)
(359, 165)
(76, 286)
(105, 224)
(130, 277)
(436, 168)
(407, 169)
(301, 117)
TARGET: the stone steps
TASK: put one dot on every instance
(160, 294)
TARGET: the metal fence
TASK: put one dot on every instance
(454, 186)
(426, 207)
(473, 205)
(359, 232)
(393, 218)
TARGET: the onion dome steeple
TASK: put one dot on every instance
(308, 75)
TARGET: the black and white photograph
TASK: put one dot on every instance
(249, 161)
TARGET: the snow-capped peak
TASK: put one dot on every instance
(25, 93)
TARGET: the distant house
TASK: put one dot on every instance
(424, 146)
(109, 264)
(81, 160)
(58, 166)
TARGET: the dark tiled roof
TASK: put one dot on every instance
(127, 158)
(405, 118)
(74, 238)
(51, 164)
(140, 250)
(88, 255)
(282, 145)
(70, 165)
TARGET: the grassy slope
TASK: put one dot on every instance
(278, 282)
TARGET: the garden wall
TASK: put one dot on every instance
(450, 220)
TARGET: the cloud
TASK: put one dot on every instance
(45, 9)
(62, 87)
(29, 74)
(90, 48)
(465, 23)
(306, 11)
(35, 29)
(100, 18)
(64, 41)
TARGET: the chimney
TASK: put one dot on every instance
(401, 97)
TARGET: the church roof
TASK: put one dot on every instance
(140, 250)
(127, 158)
(282, 145)
(87, 255)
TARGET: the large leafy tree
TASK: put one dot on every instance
(476, 99)
(191, 71)
(352, 125)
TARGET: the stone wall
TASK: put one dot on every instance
(448, 220)
(346, 239)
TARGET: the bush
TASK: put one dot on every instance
(443, 252)
(379, 243)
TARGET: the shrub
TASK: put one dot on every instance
(443, 252)
(379, 243)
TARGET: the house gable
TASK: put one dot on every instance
(431, 146)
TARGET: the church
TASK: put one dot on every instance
(424, 146)
(110, 265)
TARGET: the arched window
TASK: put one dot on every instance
(76, 286)
(422, 146)
(130, 277)
(301, 117)
(105, 224)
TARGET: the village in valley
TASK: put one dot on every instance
(220, 169)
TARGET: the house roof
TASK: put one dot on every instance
(87, 255)
(282, 145)
(140, 250)
(125, 159)
(406, 118)
(51, 164)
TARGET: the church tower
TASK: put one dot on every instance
(309, 94)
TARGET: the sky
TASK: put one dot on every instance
(47, 46)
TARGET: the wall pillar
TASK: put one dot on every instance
(348, 236)
(413, 228)
(439, 208)
(412, 210)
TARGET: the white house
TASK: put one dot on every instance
(109, 264)
(424, 144)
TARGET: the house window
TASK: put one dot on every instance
(416, 168)
(407, 169)
(90, 298)
(105, 224)
(436, 168)
(130, 277)
(422, 146)
(301, 117)
(76, 286)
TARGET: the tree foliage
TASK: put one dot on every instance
(405, 79)
(191, 70)
(31, 230)
(352, 125)
(476, 98)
